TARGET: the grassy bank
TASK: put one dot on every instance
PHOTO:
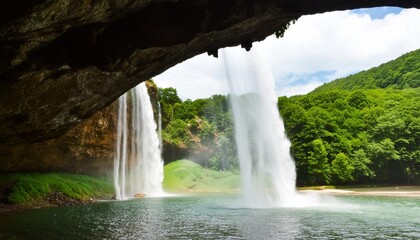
(186, 176)
(49, 189)
(29, 190)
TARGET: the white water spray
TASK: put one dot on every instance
(267, 170)
(138, 165)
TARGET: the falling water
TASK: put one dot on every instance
(160, 127)
(138, 165)
(267, 170)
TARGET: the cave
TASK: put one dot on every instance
(62, 61)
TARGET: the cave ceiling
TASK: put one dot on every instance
(63, 60)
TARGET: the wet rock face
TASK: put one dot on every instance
(88, 148)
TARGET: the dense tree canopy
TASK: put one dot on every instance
(361, 136)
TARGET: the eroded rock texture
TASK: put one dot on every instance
(61, 61)
(87, 148)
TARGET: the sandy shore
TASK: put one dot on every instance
(398, 191)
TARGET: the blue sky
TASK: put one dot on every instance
(378, 13)
(316, 49)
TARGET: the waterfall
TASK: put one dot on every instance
(267, 169)
(120, 156)
(160, 127)
(138, 165)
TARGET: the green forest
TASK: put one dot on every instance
(362, 129)
(201, 129)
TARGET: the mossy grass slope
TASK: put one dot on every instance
(30, 188)
(187, 176)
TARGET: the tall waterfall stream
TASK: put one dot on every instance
(138, 165)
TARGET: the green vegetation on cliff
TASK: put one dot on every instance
(186, 176)
(43, 189)
(200, 130)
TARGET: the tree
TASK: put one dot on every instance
(358, 99)
(361, 165)
(185, 110)
(342, 168)
(168, 96)
(383, 154)
(318, 163)
(177, 132)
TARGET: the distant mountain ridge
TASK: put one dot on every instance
(400, 73)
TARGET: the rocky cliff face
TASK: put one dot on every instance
(88, 148)
(62, 61)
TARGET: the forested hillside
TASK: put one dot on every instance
(360, 129)
(401, 73)
(364, 129)
(362, 136)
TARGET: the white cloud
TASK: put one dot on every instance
(198, 77)
(299, 89)
(337, 43)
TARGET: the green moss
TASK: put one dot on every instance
(27, 188)
(186, 176)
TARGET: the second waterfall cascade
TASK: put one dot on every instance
(268, 172)
(138, 164)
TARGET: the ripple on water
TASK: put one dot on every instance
(214, 217)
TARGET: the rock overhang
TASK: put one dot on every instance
(63, 60)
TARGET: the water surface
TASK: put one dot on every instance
(218, 217)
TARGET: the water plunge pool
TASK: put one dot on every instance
(205, 216)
